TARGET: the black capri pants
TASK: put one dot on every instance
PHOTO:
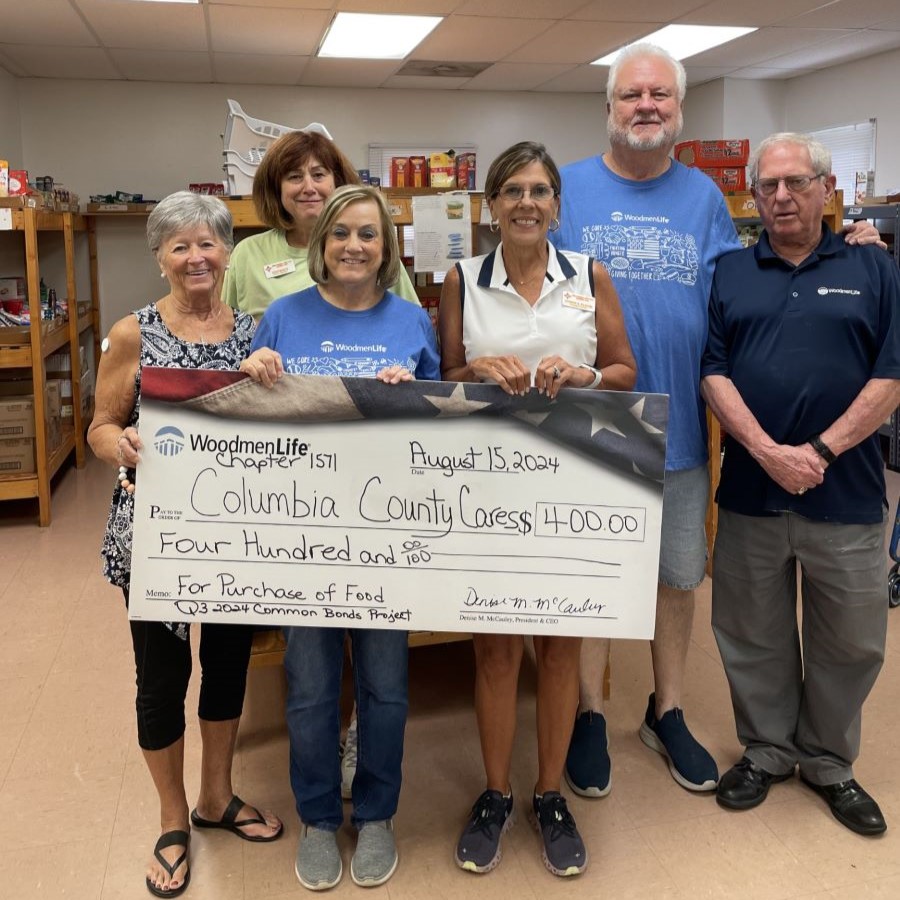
(163, 668)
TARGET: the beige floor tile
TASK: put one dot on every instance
(836, 855)
(77, 745)
(10, 735)
(52, 809)
(58, 872)
(719, 856)
(881, 889)
(89, 691)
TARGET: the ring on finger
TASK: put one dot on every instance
(801, 491)
(556, 372)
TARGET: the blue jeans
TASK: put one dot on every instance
(313, 663)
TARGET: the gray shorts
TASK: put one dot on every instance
(682, 547)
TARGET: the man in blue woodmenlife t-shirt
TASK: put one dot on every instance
(659, 228)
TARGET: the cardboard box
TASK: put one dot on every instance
(418, 172)
(54, 398)
(865, 186)
(4, 178)
(17, 456)
(399, 171)
(714, 154)
(54, 434)
(12, 288)
(465, 171)
(728, 179)
(18, 182)
(442, 170)
(17, 417)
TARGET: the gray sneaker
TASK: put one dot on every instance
(562, 849)
(318, 866)
(348, 760)
(375, 859)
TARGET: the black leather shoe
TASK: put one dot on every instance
(851, 806)
(746, 785)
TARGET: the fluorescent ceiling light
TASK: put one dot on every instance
(683, 41)
(365, 36)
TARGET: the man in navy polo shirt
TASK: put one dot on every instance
(802, 365)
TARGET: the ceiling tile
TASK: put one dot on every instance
(516, 76)
(258, 68)
(350, 72)
(578, 42)
(760, 73)
(163, 65)
(701, 74)
(583, 79)
(844, 14)
(62, 62)
(7, 64)
(424, 83)
(853, 45)
(266, 31)
(281, 4)
(767, 43)
(399, 7)
(646, 11)
(46, 22)
(519, 9)
(149, 26)
(475, 39)
(757, 12)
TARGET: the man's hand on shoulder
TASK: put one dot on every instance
(863, 232)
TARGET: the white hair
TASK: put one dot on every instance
(819, 154)
(640, 50)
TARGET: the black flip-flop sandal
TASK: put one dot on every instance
(230, 822)
(171, 839)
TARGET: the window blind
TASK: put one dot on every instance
(852, 150)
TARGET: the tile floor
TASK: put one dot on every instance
(80, 816)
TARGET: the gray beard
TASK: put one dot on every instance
(624, 137)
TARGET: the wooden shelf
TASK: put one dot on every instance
(29, 348)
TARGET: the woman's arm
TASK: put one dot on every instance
(509, 372)
(109, 437)
(614, 357)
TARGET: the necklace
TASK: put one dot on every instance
(523, 281)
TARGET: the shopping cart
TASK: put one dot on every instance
(894, 574)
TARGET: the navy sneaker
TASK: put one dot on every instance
(562, 849)
(690, 764)
(587, 762)
(478, 849)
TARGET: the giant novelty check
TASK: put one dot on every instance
(426, 505)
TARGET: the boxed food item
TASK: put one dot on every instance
(17, 456)
(418, 172)
(442, 170)
(718, 154)
(728, 179)
(865, 186)
(54, 398)
(399, 171)
(18, 182)
(465, 171)
(4, 178)
(17, 417)
(12, 288)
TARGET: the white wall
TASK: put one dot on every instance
(154, 138)
(10, 122)
(853, 92)
(703, 113)
(753, 109)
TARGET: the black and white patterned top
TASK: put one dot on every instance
(159, 347)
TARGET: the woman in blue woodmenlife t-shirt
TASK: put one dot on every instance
(346, 325)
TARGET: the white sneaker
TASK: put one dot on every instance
(348, 760)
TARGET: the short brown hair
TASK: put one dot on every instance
(518, 157)
(290, 152)
(389, 272)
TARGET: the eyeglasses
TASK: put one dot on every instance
(796, 184)
(515, 192)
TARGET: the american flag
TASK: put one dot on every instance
(625, 431)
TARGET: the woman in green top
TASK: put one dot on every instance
(297, 175)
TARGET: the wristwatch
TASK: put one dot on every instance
(822, 448)
(598, 375)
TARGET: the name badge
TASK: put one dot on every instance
(578, 301)
(276, 270)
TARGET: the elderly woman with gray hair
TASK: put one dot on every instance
(191, 328)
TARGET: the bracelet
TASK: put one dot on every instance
(598, 375)
(822, 449)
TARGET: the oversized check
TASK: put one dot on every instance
(425, 505)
